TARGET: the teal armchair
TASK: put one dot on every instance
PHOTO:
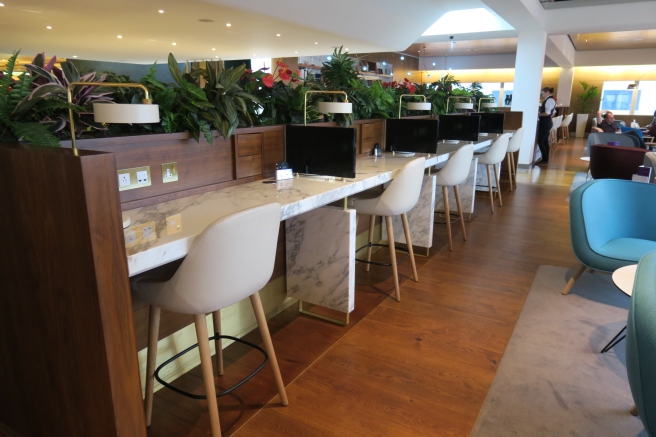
(612, 223)
(641, 342)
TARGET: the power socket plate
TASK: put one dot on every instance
(131, 178)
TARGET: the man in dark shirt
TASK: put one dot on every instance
(605, 123)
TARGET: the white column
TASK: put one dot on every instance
(564, 92)
(526, 92)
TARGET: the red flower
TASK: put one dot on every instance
(412, 88)
(248, 71)
(268, 80)
(284, 74)
(252, 79)
(281, 65)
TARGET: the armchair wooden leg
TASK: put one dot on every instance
(151, 359)
(268, 345)
(408, 240)
(445, 195)
(372, 222)
(489, 186)
(392, 248)
(218, 345)
(634, 411)
(208, 374)
(572, 280)
(496, 178)
(462, 217)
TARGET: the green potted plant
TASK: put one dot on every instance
(590, 92)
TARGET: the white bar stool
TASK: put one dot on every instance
(492, 158)
(454, 173)
(231, 260)
(514, 144)
(398, 198)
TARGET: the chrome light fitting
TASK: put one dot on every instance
(344, 107)
(115, 112)
(415, 106)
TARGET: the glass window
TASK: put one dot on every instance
(616, 97)
(646, 98)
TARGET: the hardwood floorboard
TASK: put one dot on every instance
(421, 366)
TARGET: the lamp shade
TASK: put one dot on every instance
(335, 107)
(125, 113)
(419, 106)
(464, 105)
(488, 105)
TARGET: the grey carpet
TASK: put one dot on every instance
(552, 380)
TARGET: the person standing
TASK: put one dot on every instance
(546, 111)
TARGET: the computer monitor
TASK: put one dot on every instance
(403, 135)
(459, 127)
(328, 151)
(491, 122)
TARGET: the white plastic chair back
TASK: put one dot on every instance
(231, 260)
(556, 122)
(567, 120)
(456, 170)
(515, 141)
(497, 151)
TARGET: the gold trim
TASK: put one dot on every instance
(405, 95)
(322, 317)
(321, 92)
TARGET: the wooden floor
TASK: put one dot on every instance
(421, 366)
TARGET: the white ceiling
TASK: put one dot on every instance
(89, 29)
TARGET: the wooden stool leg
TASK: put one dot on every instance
(489, 186)
(445, 194)
(408, 240)
(208, 374)
(496, 178)
(510, 175)
(462, 217)
(268, 345)
(218, 344)
(151, 359)
(372, 222)
(514, 170)
(392, 248)
(573, 279)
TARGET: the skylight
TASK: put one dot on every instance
(467, 21)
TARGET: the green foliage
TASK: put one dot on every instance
(590, 92)
(21, 113)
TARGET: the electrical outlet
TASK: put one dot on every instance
(169, 172)
(141, 233)
(142, 177)
(173, 224)
(130, 178)
(123, 179)
(146, 232)
(130, 238)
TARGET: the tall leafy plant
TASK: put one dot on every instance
(590, 92)
(339, 74)
(24, 111)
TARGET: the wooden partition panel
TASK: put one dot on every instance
(513, 120)
(68, 363)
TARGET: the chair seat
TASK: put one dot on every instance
(628, 249)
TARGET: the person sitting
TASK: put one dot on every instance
(605, 123)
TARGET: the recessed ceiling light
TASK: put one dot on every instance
(1, 5)
(119, 36)
(402, 57)
(277, 34)
(409, 73)
(295, 52)
(161, 11)
(254, 54)
(433, 64)
(48, 27)
(228, 24)
(213, 49)
(173, 44)
(384, 63)
(216, 57)
(316, 42)
(75, 56)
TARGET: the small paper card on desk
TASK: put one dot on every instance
(643, 175)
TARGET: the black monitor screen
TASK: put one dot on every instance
(328, 151)
(491, 122)
(459, 127)
(402, 135)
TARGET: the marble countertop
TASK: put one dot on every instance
(164, 232)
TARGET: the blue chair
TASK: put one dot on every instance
(641, 342)
(612, 224)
